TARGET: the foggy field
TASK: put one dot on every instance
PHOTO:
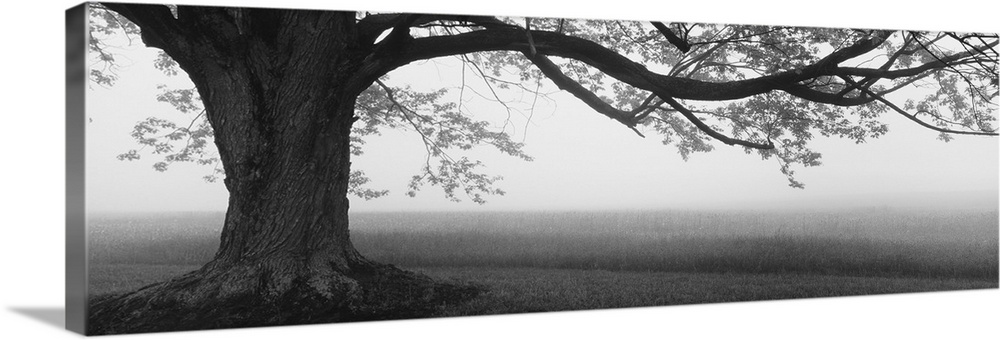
(864, 244)
(534, 261)
(867, 243)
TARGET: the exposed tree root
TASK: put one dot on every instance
(243, 296)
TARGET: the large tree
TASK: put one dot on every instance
(289, 94)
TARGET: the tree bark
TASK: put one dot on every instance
(281, 104)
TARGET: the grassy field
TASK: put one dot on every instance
(542, 261)
(528, 290)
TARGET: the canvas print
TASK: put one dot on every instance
(245, 167)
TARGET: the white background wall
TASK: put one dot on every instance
(32, 194)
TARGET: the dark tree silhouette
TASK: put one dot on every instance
(287, 94)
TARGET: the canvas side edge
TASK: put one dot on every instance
(76, 217)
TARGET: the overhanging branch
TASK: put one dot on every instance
(551, 71)
(914, 118)
(629, 119)
(500, 36)
(506, 38)
(708, 130)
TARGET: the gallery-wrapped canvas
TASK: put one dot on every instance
(237, 167)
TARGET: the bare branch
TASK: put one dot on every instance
(160, 29)
(681, 44)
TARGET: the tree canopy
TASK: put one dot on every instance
(766, 89)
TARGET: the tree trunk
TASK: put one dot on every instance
(281, 110)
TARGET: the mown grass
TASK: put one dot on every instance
(116, 278)
(525, 290)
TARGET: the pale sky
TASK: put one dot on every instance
(582, 161)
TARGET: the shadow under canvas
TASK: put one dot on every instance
(54, 316)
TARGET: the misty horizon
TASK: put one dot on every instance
(983, 200)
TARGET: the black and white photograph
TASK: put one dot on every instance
(260, 167)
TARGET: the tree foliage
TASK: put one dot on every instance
(767, 89)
